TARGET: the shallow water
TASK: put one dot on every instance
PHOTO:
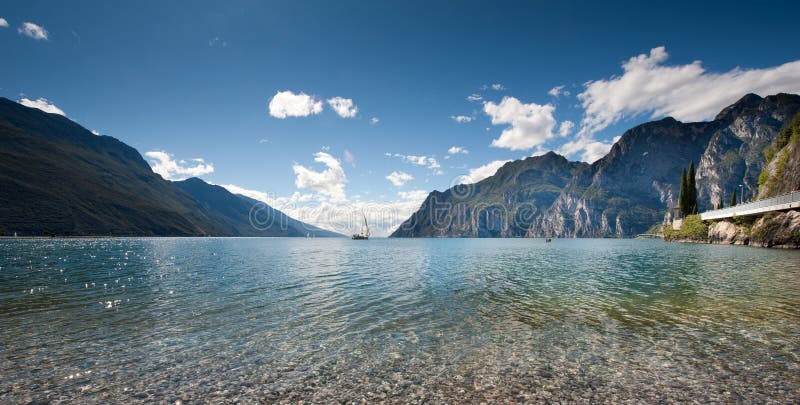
(325, 320)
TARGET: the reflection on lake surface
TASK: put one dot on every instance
(324, 320)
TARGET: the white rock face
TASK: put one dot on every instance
(728, 233)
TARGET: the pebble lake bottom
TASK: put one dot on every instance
(396, 320)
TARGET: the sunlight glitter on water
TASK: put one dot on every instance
(396, 320)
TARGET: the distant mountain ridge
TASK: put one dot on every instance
(633, 186)
(246, 216)
(57, 178)
(503, 205)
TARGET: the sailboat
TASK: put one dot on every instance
(364, 235)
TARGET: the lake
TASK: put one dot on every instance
(398, 320)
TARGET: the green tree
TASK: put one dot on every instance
(732, 202)
(692, 190)
(682, 194)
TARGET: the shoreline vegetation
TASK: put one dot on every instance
(772, 230)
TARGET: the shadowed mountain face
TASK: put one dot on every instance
(629, 189)
(503, 205)
(246, 216)
(58, 178)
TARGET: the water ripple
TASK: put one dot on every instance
(285, 320)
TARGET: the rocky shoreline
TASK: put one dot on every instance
(775, 230)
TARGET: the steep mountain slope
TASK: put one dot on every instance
(629, 189)
(734, 154)
(632, 187)
(503, 205)
(782, 173)
(245, 216)
(57, 177)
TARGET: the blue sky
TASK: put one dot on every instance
(195, 80)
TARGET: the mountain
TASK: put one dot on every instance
(782, 173)
(635, 184)
(57, 178)
(246, 216)
(503, 205)
(735, 153)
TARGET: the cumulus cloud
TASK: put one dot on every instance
(164, 164)
(529, 124)
(288, 104)
(479, 173)
(685, 92)
(474, 97)
(416, 195)
(498, 87)
(32, 30)
(399, 178)
(461, 118)
(3, 23)
(427, 161)
(558, 91)
(329, 182)
(457, 149)
(42, 104)
(343, 217)
(565, 128)
(587, 148)
(374, 120)
(343, 106)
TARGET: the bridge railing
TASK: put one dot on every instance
(787, 198)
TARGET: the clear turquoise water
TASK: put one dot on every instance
(458, 320)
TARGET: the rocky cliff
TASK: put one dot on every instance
(629, 189)
(503, 205)
(735, 152)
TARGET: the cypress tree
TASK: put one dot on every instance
(692, 186)
(682, 196)
(732, 202)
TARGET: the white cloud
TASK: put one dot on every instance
(32, 30)
(42, 104)
(498, 87)
(590, 148)
(3, 23)
(343, 217)
(565, 128)
(164, 164)
(95, 132)
(416, 195)
(461, 118)
(474, 97)
(374, 120)
(399, 178)
(429, 162)
(329, 182)
(457, 149)
(287, 104)
(479, 173)
(343, 106)
(685, 92)
(530, 124)
(558, 91)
